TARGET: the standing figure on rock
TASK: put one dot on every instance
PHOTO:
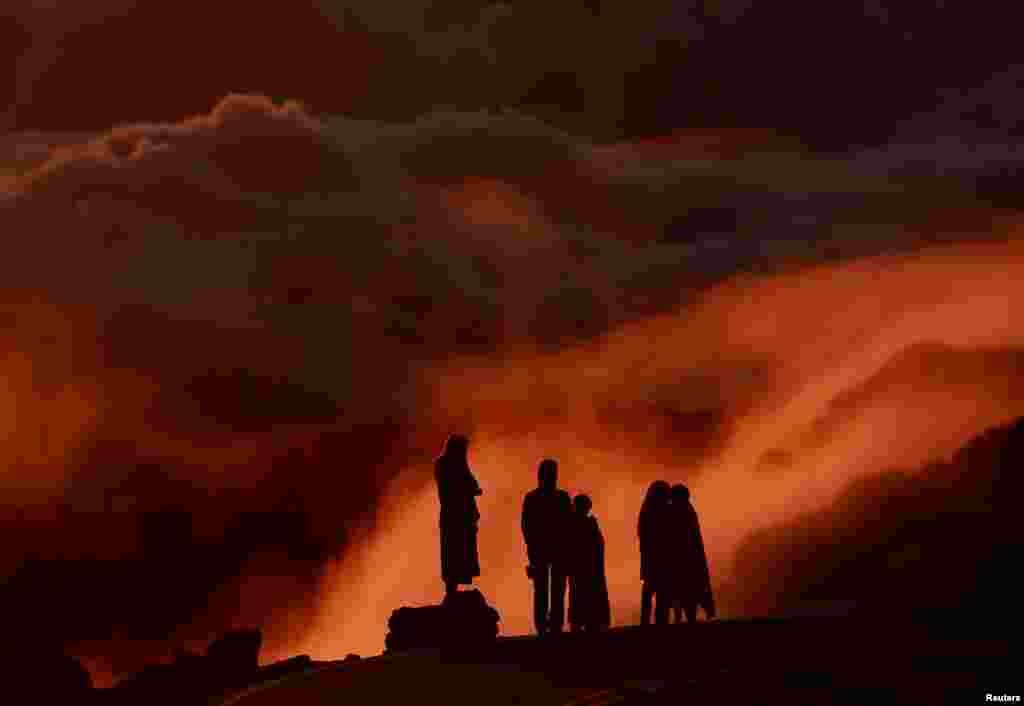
(688, 576)
(589, 609)
(653, 530)
(457, 489)
(546, 521)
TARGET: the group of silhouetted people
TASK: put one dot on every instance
(673, 563)
(565, 547)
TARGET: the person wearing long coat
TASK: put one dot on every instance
(689, 579)
(457, 489)
(589, 608)
(652, 530)
(546, 523)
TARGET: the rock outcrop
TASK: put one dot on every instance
(463, 619)
(234, 657)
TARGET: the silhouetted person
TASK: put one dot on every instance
(589, 609)
(653, 529)
(689, 581)
(547, 517)
(457, 489)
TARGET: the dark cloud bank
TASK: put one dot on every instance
(598, 68)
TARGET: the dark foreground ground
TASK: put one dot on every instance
(937, 659)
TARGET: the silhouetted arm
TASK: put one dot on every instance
(439, 479)
(525, 521)
(474, 485)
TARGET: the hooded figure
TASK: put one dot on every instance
(457, 489)
(653, 529)
(589, 608)
(689, 580)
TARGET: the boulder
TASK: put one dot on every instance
(234, 657)
(463, 619)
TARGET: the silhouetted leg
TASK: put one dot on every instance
(450, 587)
(542, 573)
(558, 586)
(660, 609)
(645, 604)
(677, 612)
(691, 612)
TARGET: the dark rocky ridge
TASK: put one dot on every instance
(865, 658)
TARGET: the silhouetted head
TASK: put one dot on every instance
(547, 474)
(583, 504)
(680, 493)
(658, 493)
(456, 446)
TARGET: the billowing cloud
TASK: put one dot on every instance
(241, 336)
(897, 362)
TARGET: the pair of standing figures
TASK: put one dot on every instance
(565, 546)
(673, 563)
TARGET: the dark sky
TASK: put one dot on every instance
(838, 75)
(261, 259)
